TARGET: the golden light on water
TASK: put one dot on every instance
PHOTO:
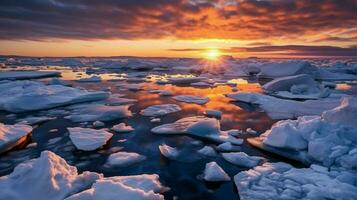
(212, 54)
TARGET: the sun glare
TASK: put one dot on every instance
(212, 54)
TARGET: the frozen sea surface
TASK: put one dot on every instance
(136, 80)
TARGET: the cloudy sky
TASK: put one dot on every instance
(178, 28)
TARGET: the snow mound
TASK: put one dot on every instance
(282, 181)
(213, 172)
(27, 74)
(123, 159)
(208, 128)
(329, 140)
(284, 108)
(13, 135)
(88, 139)
(159, 110)
(24, 96)
(192, 99)
(98, 112)
(289, 68)
(242, 159)
(48, 177)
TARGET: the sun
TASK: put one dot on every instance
(212, 54)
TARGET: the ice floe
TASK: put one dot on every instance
(13, 135)
(98, 112)
(242, 159)
(24, 96)
(192, 99)
(329, 140)
(282, 181)
(285, 108)
(169, 152)
(213, 113)
(123, 159)
(88, 139)
(290, 68)
(227, 146)
(122, 128)
(208, 128)
(159, 110)
(208, 151)
(185, 80)
(27, 74)
(91, 79)
(213, 172)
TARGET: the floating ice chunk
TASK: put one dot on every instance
(98, 124)
(115, 101)
(200, 84)
(155, 120)
(213, 113)
(251, 131)
(242, 159)
(204, 127)
(169, 152)
(192, 99)
(13, 135)
(165, 93)
(34, 120)
(289, 68)
(329, 140)
(122, 128)
(88, 139)
(98, 112)
(159, 110)
(57, 81)
(207, 151)
(283, 109)
(227, 146)
(123, 159)
(91, 79)
(282, 181)
(213, 172)
(301, 86)
(27, 74)
(24, 96)
(48, 173)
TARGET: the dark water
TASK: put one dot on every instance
(183, 177)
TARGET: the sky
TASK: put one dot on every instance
(178, 28)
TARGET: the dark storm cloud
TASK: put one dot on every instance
(185, 19)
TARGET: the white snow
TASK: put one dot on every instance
(288, 68)
(213, 172)
(282, 181)
(160, 110)
(98, 124)
(88, 139)
(284, 108)
(123, 159)
(208, 128)
(13, 135)
(192, 99)
(122, 128)
(48, 177)
(98, 112)
(227, 146)
(27, 74)
(329, 140)
(242, 159)
(24, 96)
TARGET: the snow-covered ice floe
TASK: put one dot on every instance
(192, 99)
(13, 135)
(213, 113)
(27, 74)
(278, 108)
(91, 79)
(283, 181)
(98, 112)
(329, 140)
(24, 96)
(185, 80)
(88, 139)
(159, 110)
(51, 173)
(208, 151)
(296, 87)
(169, 152)
(208, 128)
(123, 159)
(242, 159)
(122, 128)
(213, 172)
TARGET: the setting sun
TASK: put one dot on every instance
(212, 54)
